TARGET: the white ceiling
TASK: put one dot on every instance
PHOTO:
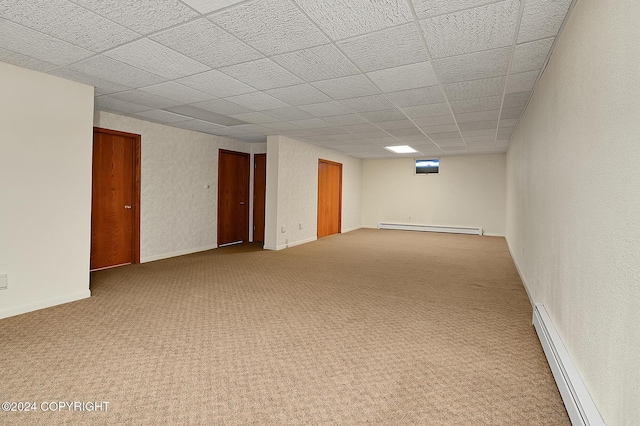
(443, 76)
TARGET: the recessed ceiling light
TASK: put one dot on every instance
(400, 149)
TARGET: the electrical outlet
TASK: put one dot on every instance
(300, 226)
(409, 217)
(4, 281)
(282, 230)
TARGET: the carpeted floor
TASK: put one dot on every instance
(368, 327)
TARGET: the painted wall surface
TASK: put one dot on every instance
(45, 182)
(178, 213)
(292, 192)
(468, 191)
(573, 200)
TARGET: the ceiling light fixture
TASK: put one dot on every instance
(400, 149)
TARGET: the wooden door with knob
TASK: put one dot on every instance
(233, 197)
(115, 199)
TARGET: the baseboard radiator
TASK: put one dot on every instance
(430, 228)
(582, 411)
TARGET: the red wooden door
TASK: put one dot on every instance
(329, 198)
(115, 199)
(259, 195)
(233, 197)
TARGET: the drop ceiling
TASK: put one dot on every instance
(443, 76)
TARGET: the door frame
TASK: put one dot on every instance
(135, 231)
(219, 206)
(255, 156)
(333, 163)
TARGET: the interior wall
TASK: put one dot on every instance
(178, 213)
(573, 203)
(292, 191)
(45, 182)
(468, 191)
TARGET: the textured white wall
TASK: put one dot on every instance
(296, 190)
(45, 182)
(468, 191)
(178, 214)
(573, 200)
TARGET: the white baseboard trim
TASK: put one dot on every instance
(296, 243)
(176, 253)
(42, 304)
(353, 228)
(580, 407)
(487, 234)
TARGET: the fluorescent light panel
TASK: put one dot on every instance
(400, 149)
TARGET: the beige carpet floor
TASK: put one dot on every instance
(369, 327)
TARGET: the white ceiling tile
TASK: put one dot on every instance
(427, 8)
(388, 48)
(367, 103)
(207, 43)
(67, 21)
(317, 63)
(257, 101)
(454, 142)
(505, 132)
(102, 86)
(471, 89)
(484, 133)
(298, 133)
(479, 125)
(217, 84)
(288, 113)
(282, 126)
(145, 98)
(516, 100)
(109, 103)
(271, 26)
(508, 113)
(345, 119)
(208, 6)
(154, 57)
(508, 122)
(522, 82)
(404, 77)
(384, 115)
(162, 116)
(347, 87)
(326, 131)
(262, 74)
(479, 104)
(360, 128)
(431, 110)
(26, 41)
(310, 123)
(396, 124)
(300, 94)
(110, 69)
(222, 106)
(254, 128)
(477, 116)
(254, 117)
(502, 143)
(530, 56)
(444, 135)
(325, 109)
(177, 92)
(421, 96)
(474, 66)
(439, 128)
(25, 61)
(141, 16)
(403, 133)
(347, 18)
(369, 136)
(199, 126)
(472, 30)
(438, 120)
(542, 18)
(455, 149)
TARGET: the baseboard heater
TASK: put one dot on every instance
(430, 228)
(580, 407)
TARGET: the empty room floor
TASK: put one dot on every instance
(368, 327)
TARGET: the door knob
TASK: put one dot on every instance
(242, 203)
(127, 207)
